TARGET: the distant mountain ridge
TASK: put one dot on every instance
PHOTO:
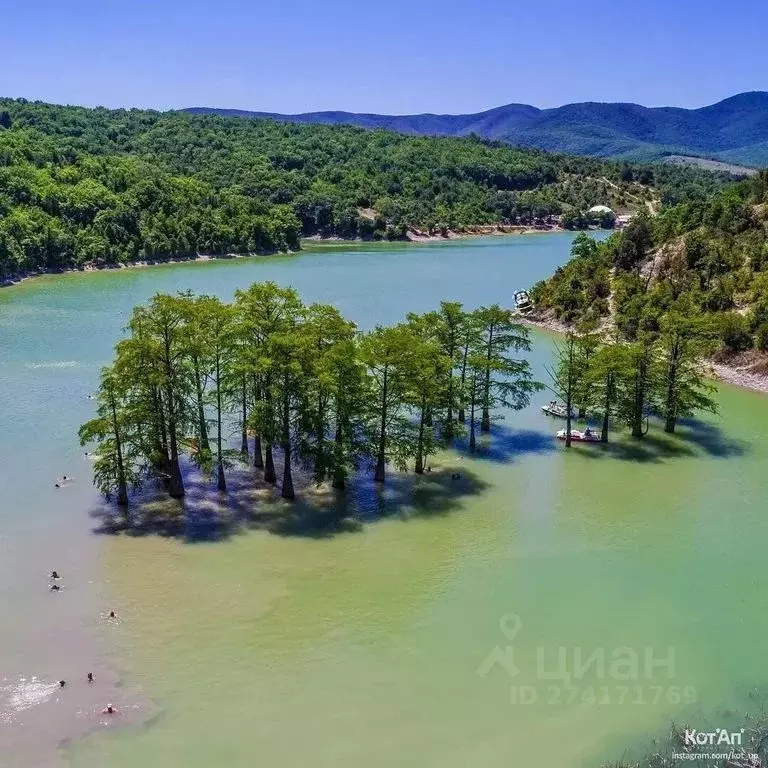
(734, 130)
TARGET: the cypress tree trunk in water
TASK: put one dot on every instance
(670, 411)
(320, 459)
(258, 460)
(472, 415)
(569, 397)
(461, 417)
(164, 463)
(485, 422)
(381, 462)
(202, 429)
(269, 466)
(122, 487)
(449, 431)
(287, 489)
(637, 415)
(244, 435)
(221, 480)
(339, 472)
(176, 482)
(420, 445)
(606, 410)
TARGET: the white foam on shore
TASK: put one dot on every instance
(55, 364)
(22, 694)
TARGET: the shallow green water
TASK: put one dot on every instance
(368, 647)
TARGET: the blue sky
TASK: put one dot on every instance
(397, 56)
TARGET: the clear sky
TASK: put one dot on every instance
(392, 56)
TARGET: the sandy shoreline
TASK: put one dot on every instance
(413, 236)
(12, 280)
(736, 374)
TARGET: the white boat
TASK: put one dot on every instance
(523, 302)
(553, 408)
(587, 436)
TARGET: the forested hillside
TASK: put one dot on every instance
(81, 186)
(706, 261)
(734, 130)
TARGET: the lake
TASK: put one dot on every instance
(552, 608)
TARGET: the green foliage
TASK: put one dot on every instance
(715, 254)
(83, 186)
(734, 332)
(580, 289)
(301, 379)
(733, 129)
(761, 337)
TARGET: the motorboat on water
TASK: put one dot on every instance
(589, 435)
(523, 303)
(553, 408)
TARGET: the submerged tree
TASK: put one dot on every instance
(264, 309)
(300, 379)
(451, 332)
(606, 368)
(332, 385)
(118, 463)
(217, 326)
(507, 380)
(567, 376)
(638, 384)
(426, 372)
(159, 331)
(384, 352)
(685, 338)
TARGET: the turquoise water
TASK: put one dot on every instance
(365, 647)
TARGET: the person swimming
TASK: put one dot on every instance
(62, 683)
(55, 587)
(55, 575)
(90, 677)
(112, 615)
(108, 710)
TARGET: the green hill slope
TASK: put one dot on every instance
(80, 186)
(711, 255)
(735, 130)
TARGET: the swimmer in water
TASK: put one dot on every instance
(62, 683)
(55, 575)
(90, 677)
(112, 615)
(55, 587)
(108, 710)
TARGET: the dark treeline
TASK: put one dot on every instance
(300, 381)
(81, 186)
(699, 260)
